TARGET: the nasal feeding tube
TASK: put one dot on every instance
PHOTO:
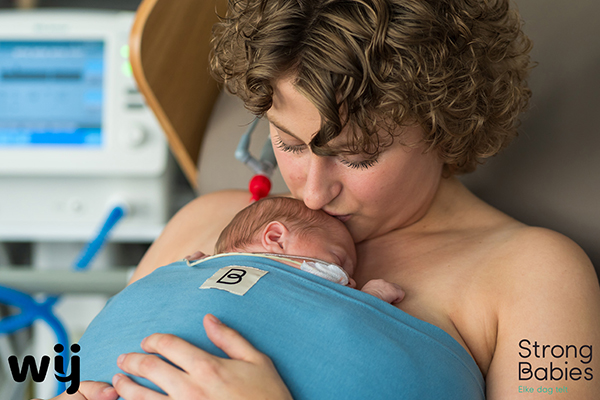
(260, 184)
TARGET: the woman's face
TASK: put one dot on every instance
(370, 196)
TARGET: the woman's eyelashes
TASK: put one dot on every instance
(298, 148)
(359, 164)
(294, 149)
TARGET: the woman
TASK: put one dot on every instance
(374, 107)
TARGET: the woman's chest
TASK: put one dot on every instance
(421, 262)
(447, 284)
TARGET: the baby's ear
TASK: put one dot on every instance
(274, 237)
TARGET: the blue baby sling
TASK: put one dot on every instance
(327, 341)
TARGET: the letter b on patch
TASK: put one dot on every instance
(234, 279)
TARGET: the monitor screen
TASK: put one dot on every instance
(51, 93)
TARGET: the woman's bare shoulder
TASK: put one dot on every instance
(539, 264)
(546, 292)
(533, 250)
(195, 227)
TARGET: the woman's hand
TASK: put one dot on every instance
(249, 374)
(89, 390)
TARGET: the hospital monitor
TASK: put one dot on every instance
(68, 103)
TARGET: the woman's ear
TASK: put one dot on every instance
(274, 237)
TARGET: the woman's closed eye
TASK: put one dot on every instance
(299, 148)
(294, 149)
(364, 164)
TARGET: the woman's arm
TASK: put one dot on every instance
(196, 227)
(548, 322)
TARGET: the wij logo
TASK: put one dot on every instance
(38, 373)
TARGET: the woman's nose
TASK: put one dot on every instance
(321, 185)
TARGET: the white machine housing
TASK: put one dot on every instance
(76, 136)
(45, 49)
(76, 139)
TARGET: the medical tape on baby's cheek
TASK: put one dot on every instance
(236, 279)
(331, 272)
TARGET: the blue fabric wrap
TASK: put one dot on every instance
(327, 341)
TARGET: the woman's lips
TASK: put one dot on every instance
(342, 218)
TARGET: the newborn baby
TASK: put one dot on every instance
(258, 287)
(310, 240)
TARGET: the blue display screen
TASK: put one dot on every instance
(51, 93)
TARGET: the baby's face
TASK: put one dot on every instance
(329, 242)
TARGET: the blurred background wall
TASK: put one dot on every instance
(550, 175)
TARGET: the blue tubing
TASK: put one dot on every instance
(89, 251)
(26, 303)
(32, 310)
(242, 152)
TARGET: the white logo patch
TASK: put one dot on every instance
(234, 279)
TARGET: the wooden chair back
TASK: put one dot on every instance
(169, 50)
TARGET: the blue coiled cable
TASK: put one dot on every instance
(32, 309)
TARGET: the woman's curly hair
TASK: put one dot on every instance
(456, 67)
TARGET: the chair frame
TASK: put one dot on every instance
(169, 55)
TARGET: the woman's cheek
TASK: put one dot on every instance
(291, 168)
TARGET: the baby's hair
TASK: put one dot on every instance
(245, 227)
(457, 68)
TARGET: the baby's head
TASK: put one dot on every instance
(284, 225)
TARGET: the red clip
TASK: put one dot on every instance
(259, 187)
